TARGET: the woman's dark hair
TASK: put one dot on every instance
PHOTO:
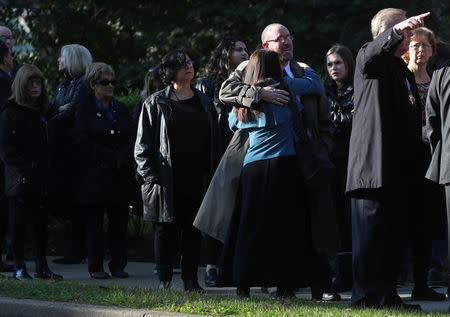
(262, 65)
(219, 63)
(347, 56)
(4, 50)
(152, 82)
(172, 62)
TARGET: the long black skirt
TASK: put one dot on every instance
(267, 243)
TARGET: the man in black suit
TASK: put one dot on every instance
(438, 129)
(385, 178)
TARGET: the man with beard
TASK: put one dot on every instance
(276, 37)
(385, 157)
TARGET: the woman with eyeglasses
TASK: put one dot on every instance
(69, 95)
(426, 221)
(176, 154)
(24, 149)
(103, 181)
(230, 52)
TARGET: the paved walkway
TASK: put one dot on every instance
(141, 274)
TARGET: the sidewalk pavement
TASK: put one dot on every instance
(141, 274)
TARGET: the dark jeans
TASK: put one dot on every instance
(117, 236)
(3, 224)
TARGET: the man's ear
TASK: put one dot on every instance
(265, 45)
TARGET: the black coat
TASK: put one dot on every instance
(385, 143)
(103, 153)
(5, 93)
(438, 127)
(24, 151)
(70, 91)
(341, 115)
(153, 156)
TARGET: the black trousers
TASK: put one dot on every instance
(213, 250)
(18, 231)
(169, 237)
(3, 224)
(379, 233)
(447, 199)
(76, 247)
(117, 236)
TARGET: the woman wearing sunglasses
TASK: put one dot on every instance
(103, 182)
(175, 152)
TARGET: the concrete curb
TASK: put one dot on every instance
(13, 307)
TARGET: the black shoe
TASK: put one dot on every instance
(68, 260)
(100, 275)
(4, 267)
(46, 274)
(326, 297)
(284, 293)
(243, 292)
(192, 286)
(164, 285)
(22, 275)
(120, 274)
(428, 294)
(211, 278)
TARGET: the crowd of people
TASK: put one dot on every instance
(292, 182)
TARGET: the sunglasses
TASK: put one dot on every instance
(106, 82)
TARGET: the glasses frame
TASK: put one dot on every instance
(105, 82)
(282, 38)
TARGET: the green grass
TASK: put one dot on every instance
(177, 301)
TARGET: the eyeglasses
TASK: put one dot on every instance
(187, 64)
(282, 39)
(105, 82)
(416, 46)
(35, 81)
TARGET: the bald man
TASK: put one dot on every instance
(276, 37)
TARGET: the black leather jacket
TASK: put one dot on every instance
(153, 156)
(341, 107)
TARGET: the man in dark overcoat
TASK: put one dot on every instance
(385, 158)
(438, 129)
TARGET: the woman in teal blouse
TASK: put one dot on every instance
(269, 220)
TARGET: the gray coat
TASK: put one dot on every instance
(438, 125)
(153, 156)
(216, 210)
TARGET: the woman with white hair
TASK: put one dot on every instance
(74, 60)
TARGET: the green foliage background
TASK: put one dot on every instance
(133, 35)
